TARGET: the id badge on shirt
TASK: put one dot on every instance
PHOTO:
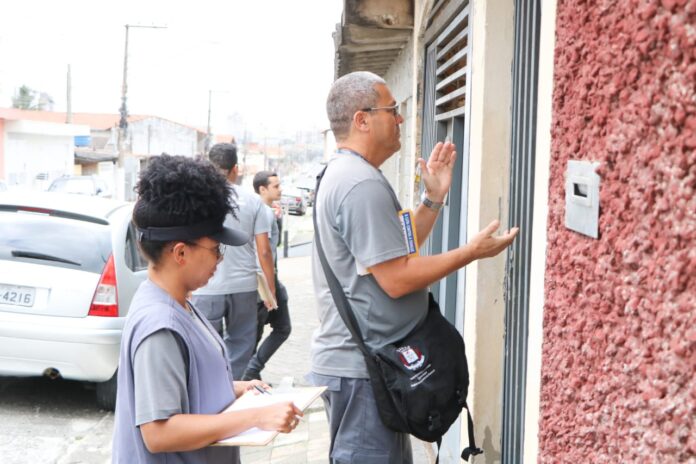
(408, 227)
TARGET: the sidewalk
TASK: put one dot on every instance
(309, 443)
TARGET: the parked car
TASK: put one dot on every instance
(293, 201)
(69, 267)
(309, 194)
(84, 185)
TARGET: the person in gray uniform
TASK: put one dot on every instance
(173, 377)
(267, 186)
(228, 300)
(361, 231)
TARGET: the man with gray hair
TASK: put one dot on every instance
(358, 221)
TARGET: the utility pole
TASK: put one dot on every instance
(208, 134)
(123, 121)
(209, 130)
(119, 172)
(68, 112)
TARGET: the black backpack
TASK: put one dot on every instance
(421, 382)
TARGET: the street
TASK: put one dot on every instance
(58, 421)
(300, 233)
(43, 420)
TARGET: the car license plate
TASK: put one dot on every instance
(16, 295)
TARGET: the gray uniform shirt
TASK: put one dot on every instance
(160, 369)
(274, 235)
(357, 219)
(200, 385)
(237, 271)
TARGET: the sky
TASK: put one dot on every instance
(268, 63)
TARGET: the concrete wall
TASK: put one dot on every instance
(492, 39)
(480, 284)
(156, 136)
(619, 351)
(31, 155)
(400, 79)
(38, 149)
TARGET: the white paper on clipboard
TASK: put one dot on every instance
(303, 397)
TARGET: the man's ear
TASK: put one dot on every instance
(361, 121)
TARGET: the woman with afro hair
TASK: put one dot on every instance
(173, 377)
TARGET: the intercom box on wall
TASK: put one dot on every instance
(582, 197)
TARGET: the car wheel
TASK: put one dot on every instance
(106, 393)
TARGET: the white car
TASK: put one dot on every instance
(69, 267)
(82, 185)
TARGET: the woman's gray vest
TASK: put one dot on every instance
(209, 379)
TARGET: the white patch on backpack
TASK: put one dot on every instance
(411, 358)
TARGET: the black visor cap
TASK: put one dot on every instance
(212, 229)
(230, 237)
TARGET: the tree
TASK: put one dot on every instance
(27, 98)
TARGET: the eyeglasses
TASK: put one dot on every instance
(219, 249)
(394, 109)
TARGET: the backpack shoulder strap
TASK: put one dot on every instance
(339, 296)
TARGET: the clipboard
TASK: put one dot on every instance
(303, 397)
(264, 289)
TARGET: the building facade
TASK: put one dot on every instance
(34, 152)
(581, 347)
(38, 146)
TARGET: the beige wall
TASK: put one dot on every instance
(492, 44)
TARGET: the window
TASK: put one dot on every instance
(54, 241)
(134, 258)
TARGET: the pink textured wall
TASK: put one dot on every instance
(619, 350)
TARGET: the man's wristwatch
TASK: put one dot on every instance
(428, 203)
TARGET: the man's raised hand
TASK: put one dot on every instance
(437, 172)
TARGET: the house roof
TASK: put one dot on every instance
(224, 138)
(93, 120)
(98, 121)
(89, 155)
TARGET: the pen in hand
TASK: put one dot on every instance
(263, 391)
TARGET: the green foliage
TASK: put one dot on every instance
(27, 98)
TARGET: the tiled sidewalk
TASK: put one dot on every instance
(309, 443)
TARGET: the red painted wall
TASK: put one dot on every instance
(619, 349)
